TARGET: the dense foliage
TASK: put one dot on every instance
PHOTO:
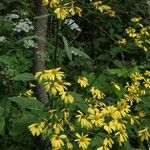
(91, 61)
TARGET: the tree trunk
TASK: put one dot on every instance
(39, 54)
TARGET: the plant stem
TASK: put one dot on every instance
(56, 44)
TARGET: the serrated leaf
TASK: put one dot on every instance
(23, 77)
(28, 103)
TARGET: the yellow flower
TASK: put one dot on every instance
(122, 108)
(78, 11)
(83, 81)
(42, 75)
(48, 129)
(147, 83)
(71, 126)
(58, 128)
(97, 4)
(132, 98)
(134, 119)
(31, 85)
(72, 11)
(53, 3)
(118, 123)
(51, 74)
(69, 146)
(108, 142)
(111, 13)
(144, 134)
(133, 88)
(45, 2)
(136, 76)
(131, 32)
(122, 41)
(116, 86)
(83, 141)
(53, 87)
(141, 114)
(81, 118)
(61, 13)
(53, 113)
(36, 128)
(122, 136)
(147, 73)
(96, 119)
(97, 93)
(28, 93)
(109, 111)
(103, 8)
(57, 141)
(103, 148)
(136, 19)
(66, 97)
(144, 31)
(109, 127)
(56, 74)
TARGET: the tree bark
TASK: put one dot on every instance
(39, 54)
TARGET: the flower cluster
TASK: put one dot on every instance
(23, 25)
(30, 44)
(2, 39)
(63, 10)
(73, 26)
(103, 8)
(53, 82)
(85, 125)
(139, 33)
(12, 16)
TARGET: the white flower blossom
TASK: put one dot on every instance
(73, 26)
(24, 25)
(30, 44)
(2, 39)
(12, 16)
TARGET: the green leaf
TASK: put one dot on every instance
(4, 108)
(67, 49)
(79, 102)
(23, 77)
(126, 146)
(98, 139)
(118, 63)
(2, 123)
(123, 72)
(28, 103)
(146, 101)
(5, 60)
(79, 52)
(111, 31)
(22, 124)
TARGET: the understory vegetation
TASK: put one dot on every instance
(74, 75)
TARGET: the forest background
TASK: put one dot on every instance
(74, 74)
